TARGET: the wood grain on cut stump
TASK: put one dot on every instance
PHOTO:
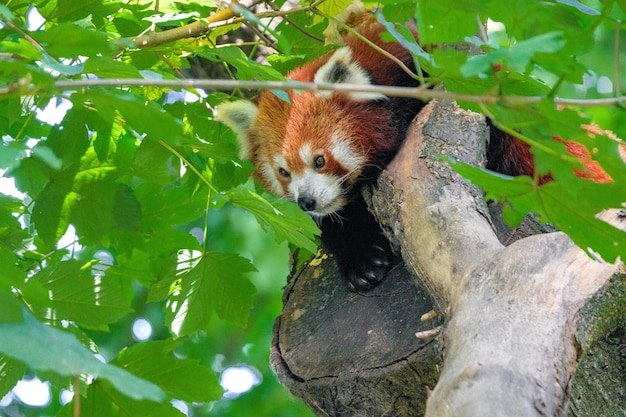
(351, 354)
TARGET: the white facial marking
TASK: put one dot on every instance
(306, 154)
(325, 189)
(267, 169)
(280, 162)
(343, 151)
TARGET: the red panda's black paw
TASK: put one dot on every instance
(369, 272)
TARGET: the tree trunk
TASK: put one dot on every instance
(513, 332)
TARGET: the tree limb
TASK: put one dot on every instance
(422, 93)
(510, 342)
(200, 27)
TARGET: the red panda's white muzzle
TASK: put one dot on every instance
(316, 193)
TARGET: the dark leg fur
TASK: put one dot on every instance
(508, 155)
(362, 252)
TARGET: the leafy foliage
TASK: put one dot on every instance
(135, 204)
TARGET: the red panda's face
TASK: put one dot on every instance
(315, 157)
(312, 148)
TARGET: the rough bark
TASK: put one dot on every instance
(510, 343)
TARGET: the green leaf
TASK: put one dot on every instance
(558, 203)
(151, 163)
(76, 293)
(183, 379)
(104, 399)
(285, 219)
(21, 48)
(10, 274)
(247, 69)
(334, 7)
(70, 140)
(107, 67)
(516, 58)
(399, 11)
(71, 10)
(11, 371)
(445, 22)
(92, 211)
(10, 155)
(55, 65)
(69, 40)
(6, 14)
(126, 209)
(145, 117)
(12, 235)
(52, 207)
(49, 349)
(11, 311)
(591, 234)
(216, 283)
(165, 207)
(404, 36)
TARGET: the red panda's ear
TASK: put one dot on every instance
(239, 115)
(340, 68)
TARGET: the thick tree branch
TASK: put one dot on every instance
(510, 342)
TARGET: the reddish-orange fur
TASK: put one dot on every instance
(520, 159)
(282, 128)
(319, 148)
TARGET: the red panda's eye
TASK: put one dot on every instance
(319, 162)
(283, 172)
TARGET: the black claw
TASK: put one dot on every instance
(361, 251)
(367, 270)
(371, 276)
(379, 262)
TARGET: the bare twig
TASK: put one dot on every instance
(294, 24)
(420, 92)
(76, 388)
(25, 35)
(616, 56)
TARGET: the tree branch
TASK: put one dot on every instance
(202, 26)
(513, 311)
(421, 92)
(190, 30)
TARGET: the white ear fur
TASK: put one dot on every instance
(238, 115)
(341, 69)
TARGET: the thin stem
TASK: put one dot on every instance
(293, 24)
(196, 28)
(189, 164)
(25, 35)
(616, 86)
(420, 92)
(200, 27)
(371, 44)
(76, 387)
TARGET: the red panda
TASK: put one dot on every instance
(319, 148)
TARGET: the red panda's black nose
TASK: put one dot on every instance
(306, 203)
